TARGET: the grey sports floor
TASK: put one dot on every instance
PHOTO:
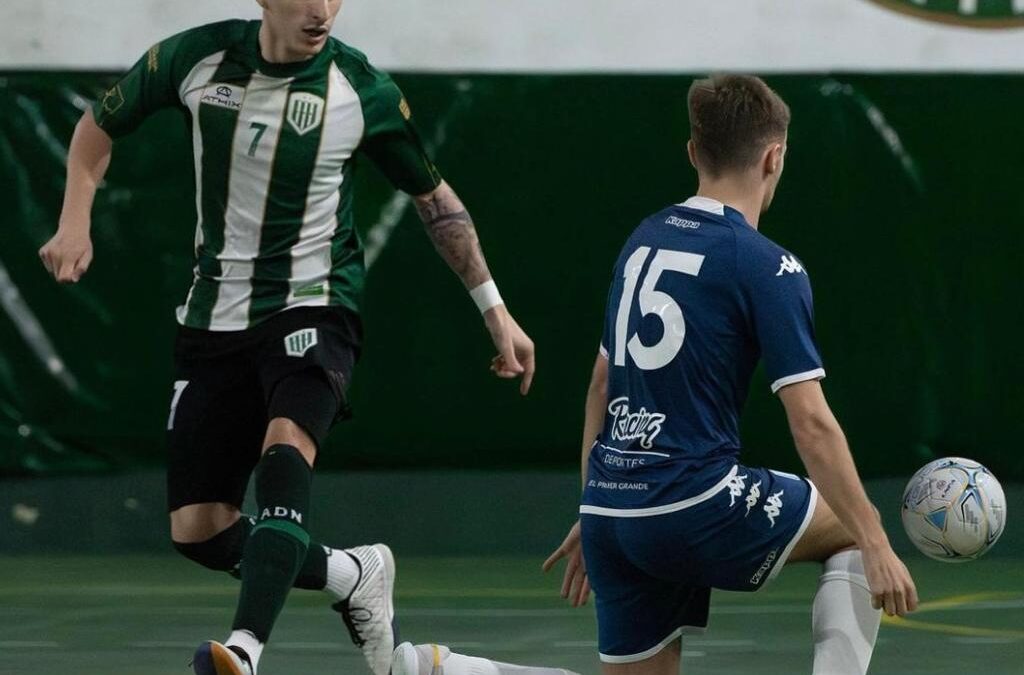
(143, 615)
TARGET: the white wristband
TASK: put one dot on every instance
(486, 296)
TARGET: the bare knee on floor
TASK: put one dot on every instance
(196, 523)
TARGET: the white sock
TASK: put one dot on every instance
(342, 573)
(845, 624)
(248, 643)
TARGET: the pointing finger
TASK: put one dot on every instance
(529, 369)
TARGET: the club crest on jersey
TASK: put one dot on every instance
(300, 342)
(632, 426)
(305, 112)
(228, 96)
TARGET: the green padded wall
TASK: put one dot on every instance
(901, 196)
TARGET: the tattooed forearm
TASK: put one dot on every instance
(451, 228)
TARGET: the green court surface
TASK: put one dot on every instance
(143, 615)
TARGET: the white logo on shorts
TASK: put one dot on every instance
(300, 342)
(773, 506)
(753, 496)
(765, 566)
(736, 486)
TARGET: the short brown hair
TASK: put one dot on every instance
(732, 119)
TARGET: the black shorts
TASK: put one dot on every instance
(224, 385)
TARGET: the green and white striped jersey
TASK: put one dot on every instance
(274, 146)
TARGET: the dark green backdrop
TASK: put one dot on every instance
(902, 196)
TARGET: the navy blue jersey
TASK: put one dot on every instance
(699, 297)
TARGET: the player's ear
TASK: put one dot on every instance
(772, 161)
(691, 150)
(262, 3)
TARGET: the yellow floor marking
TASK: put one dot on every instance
(953, 602)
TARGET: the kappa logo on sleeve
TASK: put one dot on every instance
(228, 96)
(790, 265)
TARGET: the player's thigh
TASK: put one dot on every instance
(639, 615)
(306, 360)
(824, 536)
(215, 430)
(665, 662)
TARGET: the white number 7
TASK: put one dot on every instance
(179, 389)
(653, 302)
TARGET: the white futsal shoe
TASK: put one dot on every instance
(433, 659)
(369, 611)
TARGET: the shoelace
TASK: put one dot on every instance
(354, 620)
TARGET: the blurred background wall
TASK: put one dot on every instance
(561, 124)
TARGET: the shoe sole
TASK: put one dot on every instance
(213, 658)
(405, 660)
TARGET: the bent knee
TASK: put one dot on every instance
(196, 523)
(222, 551)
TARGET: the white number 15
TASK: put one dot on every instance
(656, 302)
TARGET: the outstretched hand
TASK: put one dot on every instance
(515, 348)
(575, 584)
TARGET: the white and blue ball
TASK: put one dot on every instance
(954, 509)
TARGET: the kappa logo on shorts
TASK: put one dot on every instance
(753, 496)
(765, 566)
(736, 486)
(300, 342)
(773, 506)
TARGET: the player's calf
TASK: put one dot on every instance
(276, 548)
(431, 659)
(844, 623)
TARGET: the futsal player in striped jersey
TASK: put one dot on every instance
(277, 112)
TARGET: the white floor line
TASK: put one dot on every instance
(447, 612)
(28, 644)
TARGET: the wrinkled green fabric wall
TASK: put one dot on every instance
(901, 195)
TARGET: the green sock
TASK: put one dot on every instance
(276, 549)
(313, 573)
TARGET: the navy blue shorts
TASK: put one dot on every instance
(652, 574)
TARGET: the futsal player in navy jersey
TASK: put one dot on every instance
(699, 298)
